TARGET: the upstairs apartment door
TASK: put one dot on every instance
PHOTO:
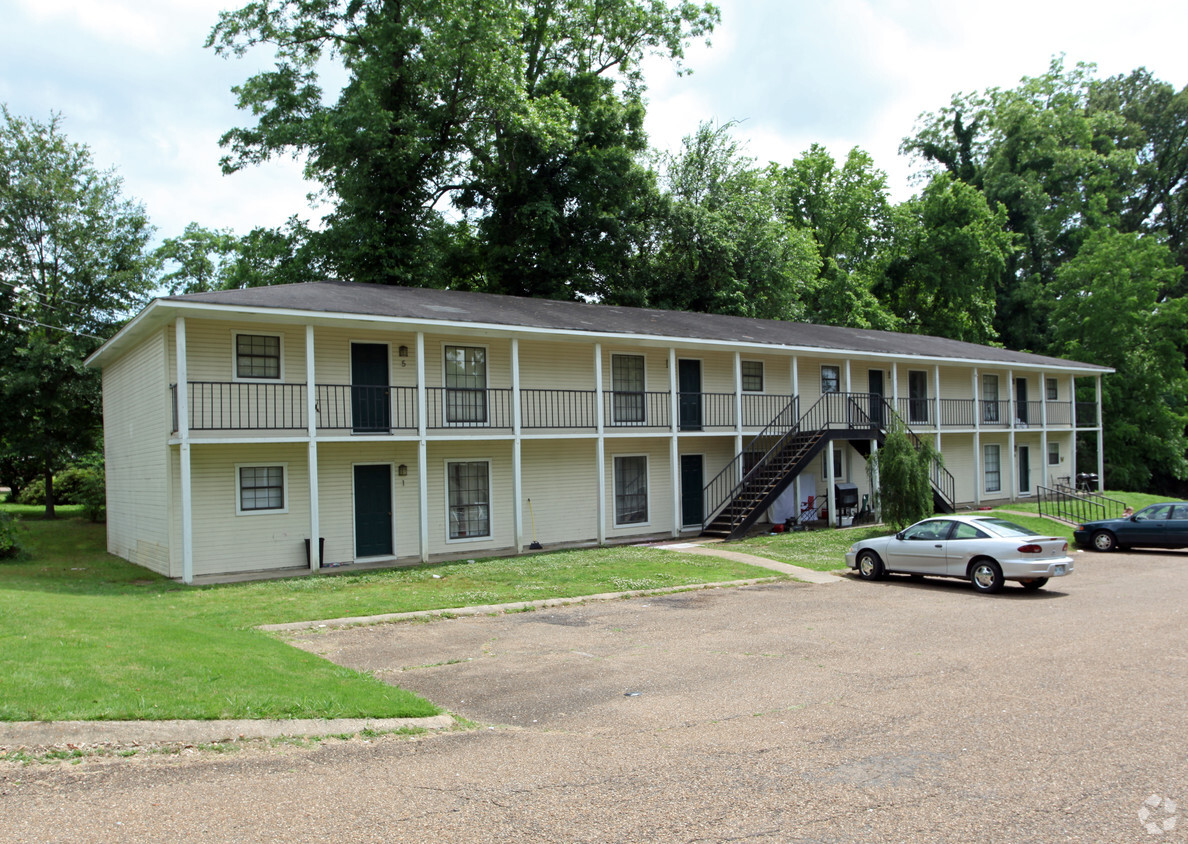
(371, 406)
(874, 379)
(689, 390)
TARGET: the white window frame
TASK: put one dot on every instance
(1051, 389)
(991, 409)
(743, 375)
(1053, 451)
(647, 490)
(837, 370)
(262, 511)
(987, 450)
(615, 420)
(257, 379)
(490, 534)
(445, 420)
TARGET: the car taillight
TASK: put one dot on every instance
(1030, 549)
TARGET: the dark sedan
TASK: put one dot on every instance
(1157, 526)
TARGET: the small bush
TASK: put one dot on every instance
(33, 493)
(10, 537)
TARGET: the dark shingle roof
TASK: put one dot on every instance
(335, 298)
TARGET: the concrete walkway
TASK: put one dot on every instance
(99, 734)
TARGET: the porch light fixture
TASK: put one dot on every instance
(403, 351)
(402, 470)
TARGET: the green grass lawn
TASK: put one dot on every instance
(85, 635)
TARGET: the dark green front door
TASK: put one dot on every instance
(874, 381)
(373, 511)
(371, 407)
(689, 394)
(692, 487)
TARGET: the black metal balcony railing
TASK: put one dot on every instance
(366, 409)
(567, 409)
(454, 407)
(623, 409)
(230, 406)
(234, 406)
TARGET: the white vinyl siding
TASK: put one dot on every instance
(137, 420)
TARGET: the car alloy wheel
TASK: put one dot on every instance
(1103, 540)
(870, 567)
(986, 576)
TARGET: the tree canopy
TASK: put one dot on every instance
(73, 263)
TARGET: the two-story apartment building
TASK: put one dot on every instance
(401, 425)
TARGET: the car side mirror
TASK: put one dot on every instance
(899, 536)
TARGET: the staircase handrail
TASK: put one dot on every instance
(1068, 505)
(942, 479)
(849, 402)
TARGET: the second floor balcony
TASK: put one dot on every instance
(354, 409)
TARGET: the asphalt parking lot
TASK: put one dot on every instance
(892, 711)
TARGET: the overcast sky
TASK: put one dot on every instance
(132, 80)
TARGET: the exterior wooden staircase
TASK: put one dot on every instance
(750, 484)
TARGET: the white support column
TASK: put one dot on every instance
(1013, 465)
(1043, 378)
(311, 410)
(849, 383)
(517, 450)
(422, 450)
(796, 405)
(674, 461)
(975, 392)
(600, 444)
(895, 386)
(1100, 442)
(1072, 455)
(977, 461)
(738, 404)
(937, 389)
(830, 480)
(183, 433)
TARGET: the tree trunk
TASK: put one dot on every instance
(49, 493)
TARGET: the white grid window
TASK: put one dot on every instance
(1052, 390)
(470, 499)
(830, 379)
(1053, 453)
(992, 467)
(261, 488)
(257, 356)
(627, 384)
(631, 490)
(466, 384)
(752, 376)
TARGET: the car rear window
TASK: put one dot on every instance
(1004, 528)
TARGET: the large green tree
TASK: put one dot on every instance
(949, 255)
(522, 114)
(1112, 308)
(73, 263)
(720, 244)
(848, 213)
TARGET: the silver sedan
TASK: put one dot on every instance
(985, 550)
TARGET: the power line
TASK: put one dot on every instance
(52, 327)
(18, 288)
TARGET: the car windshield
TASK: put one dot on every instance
(1004, 528)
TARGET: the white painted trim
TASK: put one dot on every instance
(446, 461)
(517, 452)
(269, 511)
(423, 498)
(183, 431)
(259, 379)
(311, 408)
